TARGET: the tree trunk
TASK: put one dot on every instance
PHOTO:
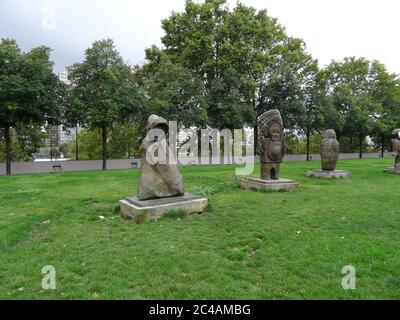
(308, 145)
(51, 143)
(7, 138)
(76, 144)
(361, 145)
(104, 135)
(383, 146)
(255, 135)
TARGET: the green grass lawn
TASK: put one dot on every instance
(250, 245)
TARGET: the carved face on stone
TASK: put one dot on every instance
(270, 143)
(275, 132)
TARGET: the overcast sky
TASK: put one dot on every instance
(332, 29)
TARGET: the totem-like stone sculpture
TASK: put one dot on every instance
(159, 177)
(329, 150)
(271, 148)
(160, 183)
(396, 147)
(270, 144)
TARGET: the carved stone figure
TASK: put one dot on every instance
(270, 144)
(396, 147)
(329, 150)
(159, 176)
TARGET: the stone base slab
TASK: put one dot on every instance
(154, 209)
(329, 174)
(392, 170)
(275, 185)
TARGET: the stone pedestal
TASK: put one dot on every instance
(154, 209)
(392, 170)
(275, 185)
(329, 174)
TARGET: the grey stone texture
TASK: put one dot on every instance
(270, 144)
(271, 148)
(329, 174)
(274, 185)
(154, 209)
(329, 153)
(159, 176)
(329, 150)
(392, 170)
(396, 148)
(160, 183)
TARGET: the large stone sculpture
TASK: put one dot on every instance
(271, 148)
(396, 147)
(329, 152)
(395, 139)
(158, 179)
(270, 144)
(160, 183)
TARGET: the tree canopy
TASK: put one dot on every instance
(104, 91)
(30, 93)
(364, 95)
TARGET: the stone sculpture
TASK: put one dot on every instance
(396, 147)
(158, 179)
(270, 144)
(160, 183)
(329, 150)
(271, 148)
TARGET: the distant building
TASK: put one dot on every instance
(61, 134)
(65, 134)
(63, 76)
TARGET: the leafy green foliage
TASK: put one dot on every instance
(174, 93)
(244, 58)
(104, 91)
(365, 96)
(123, 143)
(25, 140)
(30, 93)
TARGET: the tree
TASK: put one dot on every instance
(25, 141)
(123, 143)
(74, 115)
(64, 150)
(173, 92)
(246, 61)
(317, 110)
(29, 90)
(104, 90)
(233, 52)
(356, 87)
(387, 115)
